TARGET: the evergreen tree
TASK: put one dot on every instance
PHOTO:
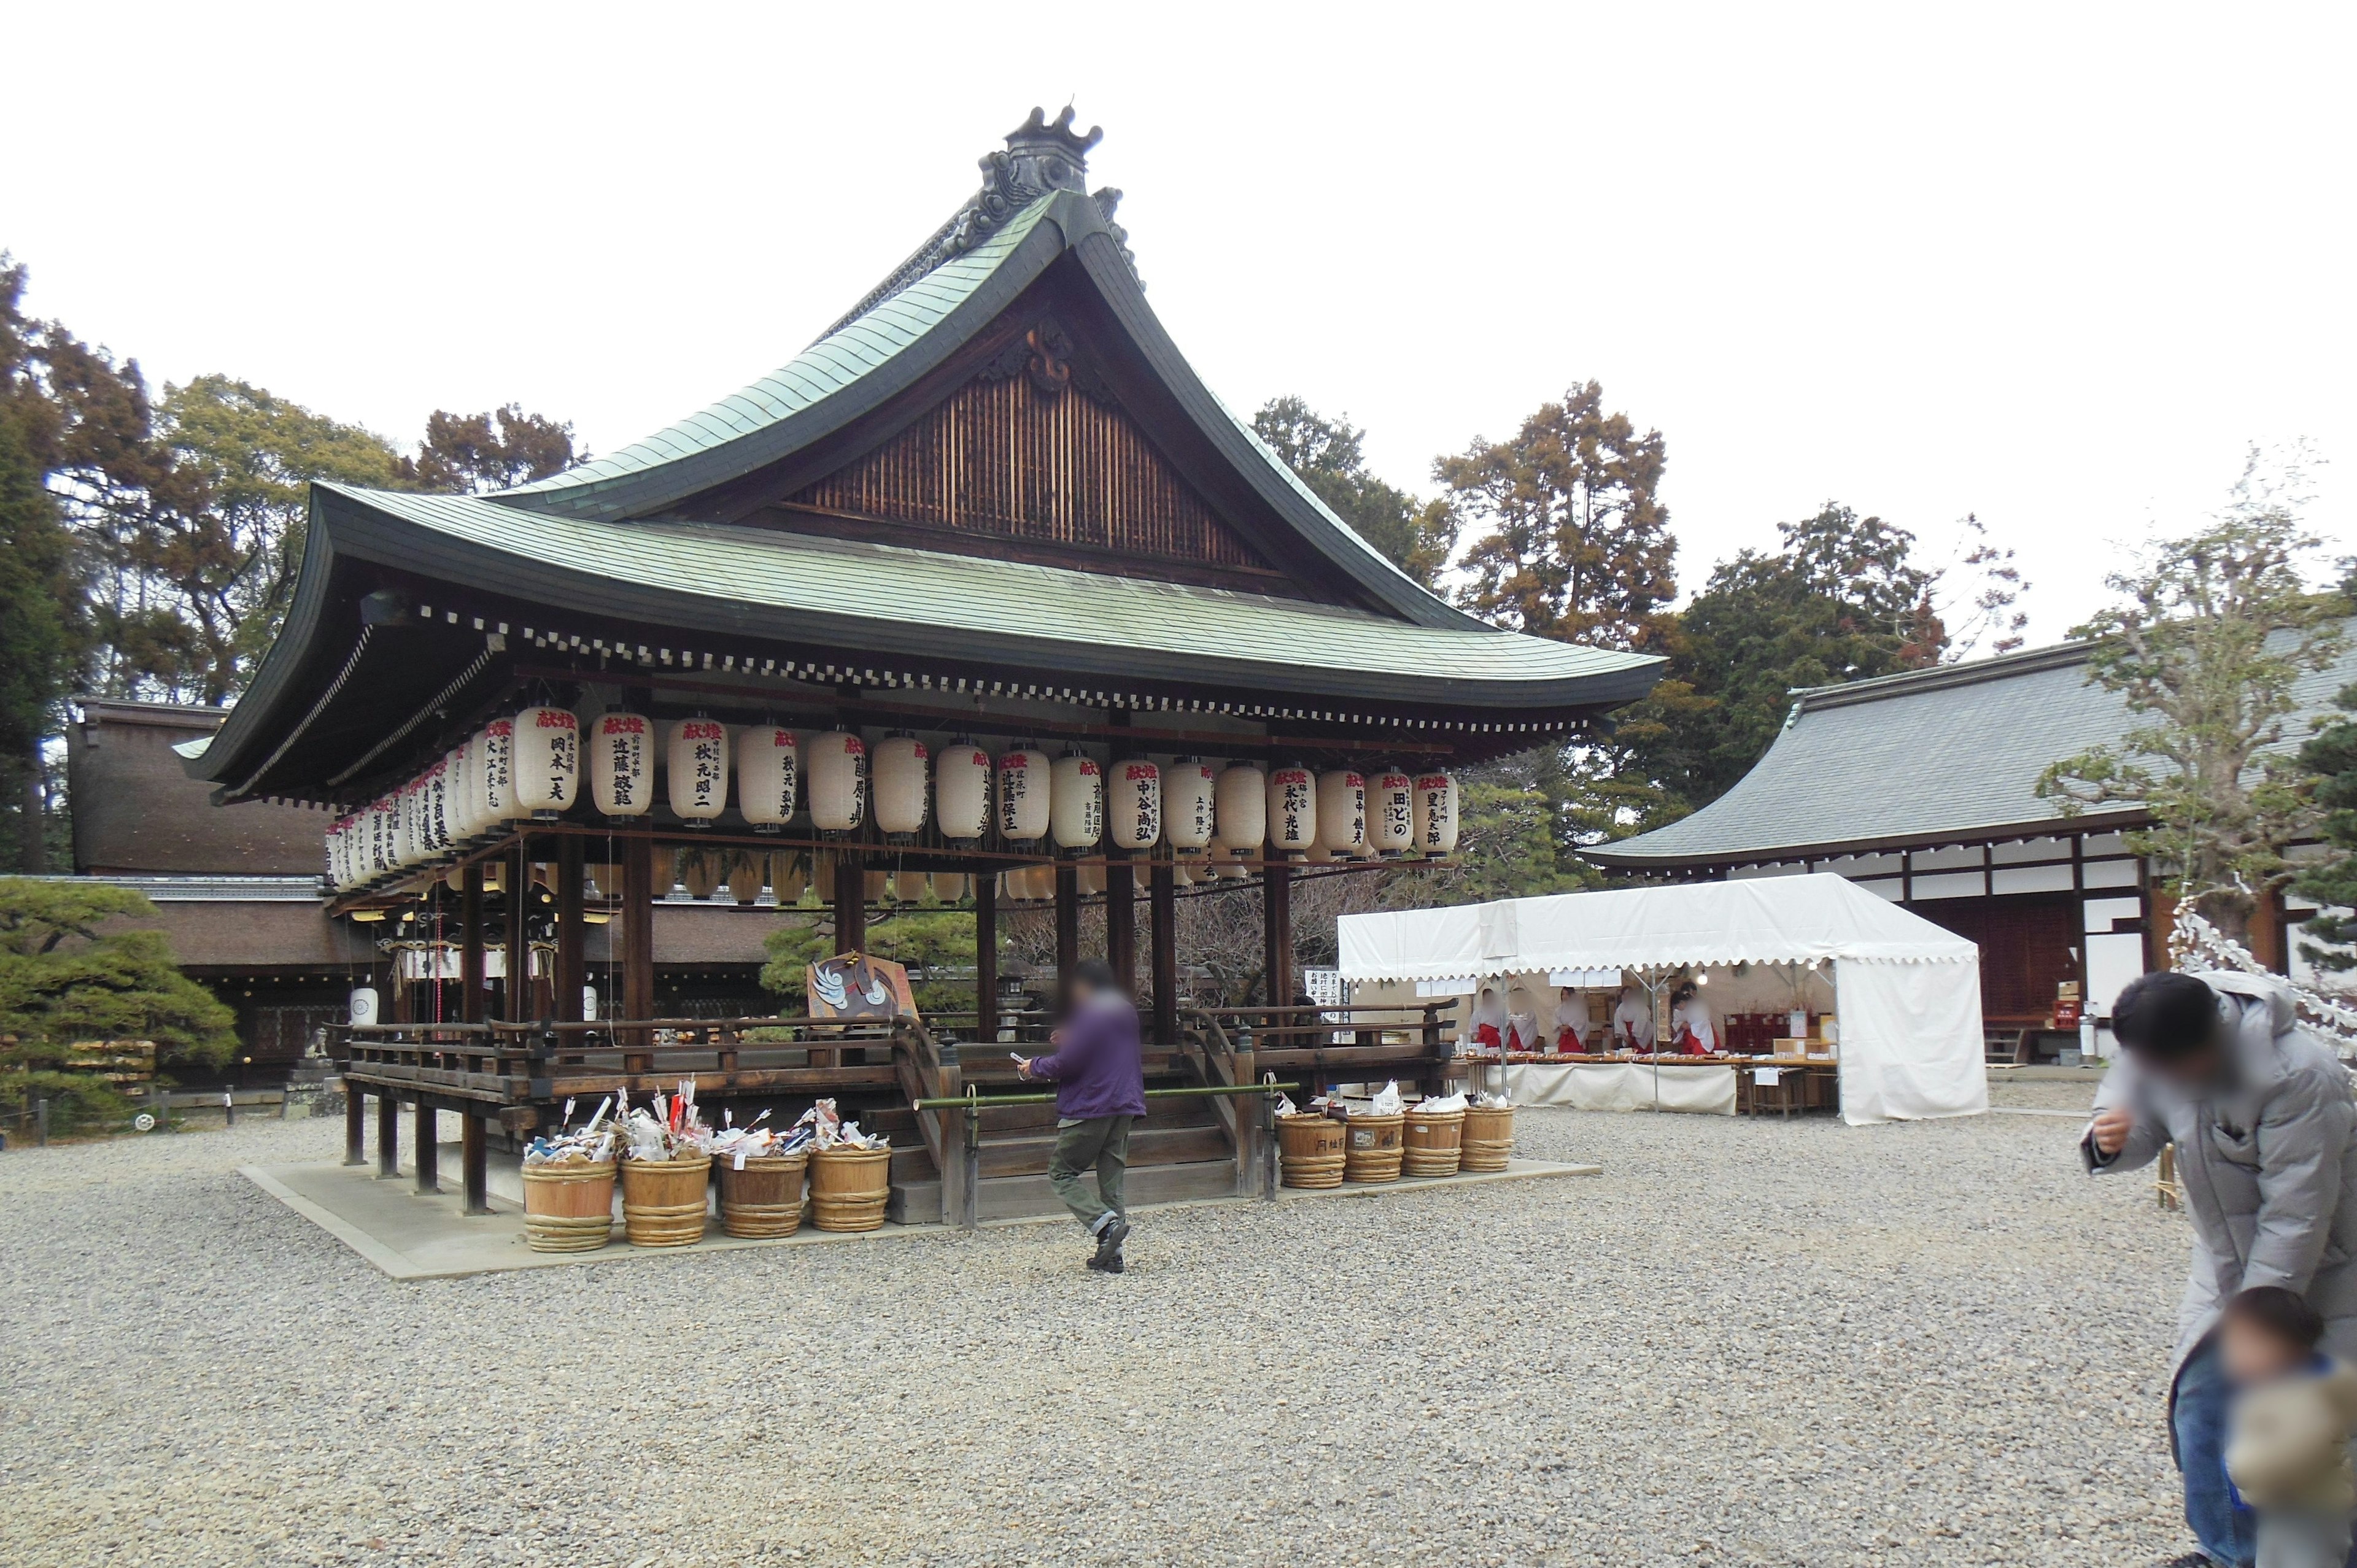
(1416, 535)
(472, 453)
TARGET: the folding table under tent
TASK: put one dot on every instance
(1907, 992)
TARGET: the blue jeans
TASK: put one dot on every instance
(2198, 1414)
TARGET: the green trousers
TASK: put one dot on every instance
(1101, 1142)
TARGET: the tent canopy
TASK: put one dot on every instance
(1774, 919)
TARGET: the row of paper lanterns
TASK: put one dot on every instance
(529, 767)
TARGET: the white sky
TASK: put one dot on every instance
(2053, 265)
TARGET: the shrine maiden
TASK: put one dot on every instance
(1571, 1020)
(1632, 1021)
(1488, 1023)
(1690, 1025)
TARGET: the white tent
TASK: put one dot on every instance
(1908, 993)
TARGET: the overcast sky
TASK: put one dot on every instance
(2054, 264)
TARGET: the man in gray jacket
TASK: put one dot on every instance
(2261, 1113)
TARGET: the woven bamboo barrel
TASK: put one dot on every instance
(664, 1200)
(849, 1187)
(1433, 1143)
(568, 1207)
(1309, 1149)
(1372, 1147)
(763, 1196)
(1489, 1141)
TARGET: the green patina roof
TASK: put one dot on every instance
(832, 585)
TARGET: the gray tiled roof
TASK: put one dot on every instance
(1942, 755)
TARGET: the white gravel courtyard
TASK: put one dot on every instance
(1747, 1342)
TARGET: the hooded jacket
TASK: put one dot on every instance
(2267, 1159)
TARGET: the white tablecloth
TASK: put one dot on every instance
(1619, 1086)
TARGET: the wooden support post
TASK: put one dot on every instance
(1121, 922)
(986, 959)
(1068, 930)
(637, 949)
(1162, 938)
(474, 1163)
(388, 1137)
(519, 984)
(428, 1150)
(471, 945)
(850, 902)
(571, 973)
(355, 1125)
(1277, 901)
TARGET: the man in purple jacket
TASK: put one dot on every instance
(1100, 1089)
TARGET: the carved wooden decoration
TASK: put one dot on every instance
(1024, 453)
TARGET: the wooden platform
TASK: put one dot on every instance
(410, 1236)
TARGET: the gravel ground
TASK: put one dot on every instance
(1746, 1343)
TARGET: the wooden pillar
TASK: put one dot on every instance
(388, 1137)
(850, 902)
(1121, 922)
(474, 1162)
(428, 1164)
(1277, 909)
(986, 957)
(519, 983)
(471, 945)
(637, 998)
(355, 1125)
(570, 971)
(1068, 930)
(1162, 939)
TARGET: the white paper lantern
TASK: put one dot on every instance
(745, 880)
(434, 817)
(1038, 883)
(1436, 813)
(696, 766)
(837, 761)
(1024, 791)
(875, 886)
(900, 769)
(1391, 812)
(1184, 872)
(1241, 818)
(1134, 803)
(1292, 811)
(495, 773)
(466, 812)
(908, 887)
(1089, 880)
(949, 886)
(789, 877)
(962, 791)
(769, 774)
(547, 761)
(376, 841)
(1077, 800)
(1342, 811)
(364, 1005)
(621, 764)
(405, 850)
(1189, 788)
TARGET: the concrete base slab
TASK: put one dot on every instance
(409, 1235)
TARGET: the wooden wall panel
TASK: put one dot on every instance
(1003, 458)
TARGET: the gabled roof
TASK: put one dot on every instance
(1941, 756)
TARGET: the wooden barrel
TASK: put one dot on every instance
(1309, 1149)
(568, 1207)
(1371, 1148)
(1489, 1141)
(1432, 1145)
(664, 1200)
(762, 1197)
(849, 1188)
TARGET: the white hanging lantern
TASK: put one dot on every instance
(405, 853)
(876, 885)
(908, 887)
(769, 770)
(698, 870)
(1292, 811)
(962, 791)
(495, 774)
(837, 761)
(1077, 800)
(434, 801)
(1342, 811)
(745, 880)
(1089, 879)
(1189, 788)
(547, 761)
(949, 886)
(1391, 813)
(1436, 813)
(1241, 819)
(621, 765)
(1133, 804)
(1182, 872)
(1023, 789)
(789, 877)
(1038, 883)
(900, 766)
(379, 817)
(696, 765)
(467, 791)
